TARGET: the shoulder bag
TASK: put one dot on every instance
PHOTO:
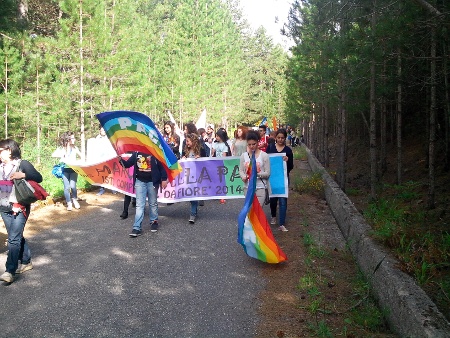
(266, 197)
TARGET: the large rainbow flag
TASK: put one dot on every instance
(131, 131)
(254, 232)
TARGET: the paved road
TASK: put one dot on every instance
(91, 280)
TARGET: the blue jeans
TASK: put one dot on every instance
(145, 190)
(283, 208)
(17, 245)
(70, 184)
(194, 208)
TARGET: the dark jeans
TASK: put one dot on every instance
(17, 245)
(283, 208)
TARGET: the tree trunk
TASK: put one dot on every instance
(5, 89)
(38, 119)
(399, 117)
(82, 134)
(383, 125)
(342, 131)
(372, 121)
(325, 117)
(432, 140)
(446, 107)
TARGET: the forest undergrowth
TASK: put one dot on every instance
(418, 237)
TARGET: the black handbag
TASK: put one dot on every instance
(266, 197)
(24, 192)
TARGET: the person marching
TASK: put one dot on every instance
(193, 149)
(220, 148)
(262, 166)
(239, 144)
(281, 147)
(149, 174)
(70, 177)
(171, 138)
(15, 215)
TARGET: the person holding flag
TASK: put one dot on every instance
(149, 174)
(254, 233)
(262, 166)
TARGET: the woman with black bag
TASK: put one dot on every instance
(15, 215)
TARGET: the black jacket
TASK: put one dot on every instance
(158, 173)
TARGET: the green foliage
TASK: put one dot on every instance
(311, 184)
(300, 153)
(321, 330)
(386, 216)
(153, 57)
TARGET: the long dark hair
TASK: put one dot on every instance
(222, 134)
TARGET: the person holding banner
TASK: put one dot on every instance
(262, 166)
(149, 174)
(281, 147)
(102, 150)
(193, 150)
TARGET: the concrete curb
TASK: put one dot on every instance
(409, 311)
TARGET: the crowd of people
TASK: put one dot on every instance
(149, 175)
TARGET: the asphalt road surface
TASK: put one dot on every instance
(90, 279)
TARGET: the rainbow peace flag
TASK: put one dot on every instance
(254, 232)
(131, 131)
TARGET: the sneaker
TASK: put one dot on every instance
(201, 203)
(124, 215)
(282, 228)
(7, 277)
(222, 201)
(135, 233)
(75, 203)
(69, 206)
(273, 221)
(24, 267)
(192, 219)
(101, 191)
(154, 226)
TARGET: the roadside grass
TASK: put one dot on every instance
(419, 238)
(361, 316)
(407, 229)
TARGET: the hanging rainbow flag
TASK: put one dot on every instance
(131, 131)
(254, 232)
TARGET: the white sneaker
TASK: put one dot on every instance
(273, 221)
(7, 277)
(69, 206)
(75, 203)
(192, 219)
(24, 267)
(282, 228)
